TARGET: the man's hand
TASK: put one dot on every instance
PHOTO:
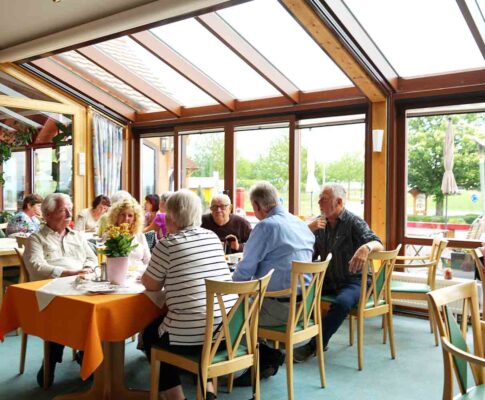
(232, 239)
(358, 260)
(318, 223)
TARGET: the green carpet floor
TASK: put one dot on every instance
(416, 373)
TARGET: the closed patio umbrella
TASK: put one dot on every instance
(448, 184)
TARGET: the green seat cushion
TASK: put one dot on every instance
(282, 328)
(409, 287)
(328, 298)
(220, 356)
(476, 393)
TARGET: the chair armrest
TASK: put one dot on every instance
(412, 258)
(423, 265)
(471, 358)
(278, 293)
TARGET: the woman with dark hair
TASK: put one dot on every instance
(27, 221)
(152, 202)
(88, 218)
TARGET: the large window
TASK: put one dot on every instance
(446, 177)
(202, 163)
(148, 169)
(332, 151)
(262, 153)
(52, 170)
(13, 190)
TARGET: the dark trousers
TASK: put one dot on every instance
(346, 298)
(55, 352)
(169, 374)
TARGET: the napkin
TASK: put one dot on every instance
(46, 293)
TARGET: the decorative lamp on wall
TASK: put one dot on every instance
(165, 144)
(377, 138)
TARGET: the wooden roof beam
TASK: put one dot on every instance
(329, 42)
(475, 22)
(131, 79)
(226, 34)
(165, 53)
(71, 79)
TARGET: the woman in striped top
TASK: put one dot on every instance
(179, 264)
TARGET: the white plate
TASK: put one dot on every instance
(101, 290)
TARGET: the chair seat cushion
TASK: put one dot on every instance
(476, 393)
(409, 287)
(332, 299)
(328, 298)
(220, 356)
(282, 328)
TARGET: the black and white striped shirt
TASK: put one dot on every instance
(182, 261)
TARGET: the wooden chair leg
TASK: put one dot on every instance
(384, 330)
(320, 355)
(391, 334)
(154, 374)
(289, 369)
(23, 350)
(230, 382)
(215, 383)
(351, 330)
(360, 342)
(432, 324)
(47, 358)
(256, 375)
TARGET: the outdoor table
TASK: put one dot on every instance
(97, 324)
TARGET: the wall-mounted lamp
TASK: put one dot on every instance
(166, 144)
(377, 138)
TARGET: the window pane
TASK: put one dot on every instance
(148, 168)
(307, 61)
(202, 164)
(202, 49)
(96, 75)
(428, 36)
(431, 212)
(52, 170)
(150, 68)
(262, 153)
(14, 175)
(13, 87)
(332, 154)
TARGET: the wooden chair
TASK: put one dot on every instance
(304, 318)
(240, 322)
(419, 291)
(21, 241)
(476, 255)
(375, 299)
(456, 354)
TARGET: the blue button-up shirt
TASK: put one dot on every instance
(275, 242)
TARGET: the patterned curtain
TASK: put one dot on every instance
(107, 155)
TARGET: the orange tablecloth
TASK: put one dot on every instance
(80, 322)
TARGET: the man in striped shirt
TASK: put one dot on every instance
(180, 263)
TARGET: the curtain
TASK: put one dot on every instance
(107, 155)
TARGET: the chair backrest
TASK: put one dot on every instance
(306, 311)
(437, 248)
(476, 254)
(24, 275)
(450, 331)
(241, 321)
(380, 264)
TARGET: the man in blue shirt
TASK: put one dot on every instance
(277, 240)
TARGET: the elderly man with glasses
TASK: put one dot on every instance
(231, 229)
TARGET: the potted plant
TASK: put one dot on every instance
(117, 248)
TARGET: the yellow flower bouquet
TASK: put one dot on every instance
(119, 242)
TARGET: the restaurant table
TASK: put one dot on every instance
(97, 324)
(8, 258)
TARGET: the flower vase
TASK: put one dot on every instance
(116, 269)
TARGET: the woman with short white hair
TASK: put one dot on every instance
(180, 264)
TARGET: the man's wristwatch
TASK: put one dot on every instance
(368, 247)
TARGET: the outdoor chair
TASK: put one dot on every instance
(304, 318)
(457, 357)
(238, 329)
(375, 299)
(419, 291)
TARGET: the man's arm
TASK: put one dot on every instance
(254, 252)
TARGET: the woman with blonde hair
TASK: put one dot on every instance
(129, 212)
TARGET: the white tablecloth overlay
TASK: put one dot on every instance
(70, 286)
